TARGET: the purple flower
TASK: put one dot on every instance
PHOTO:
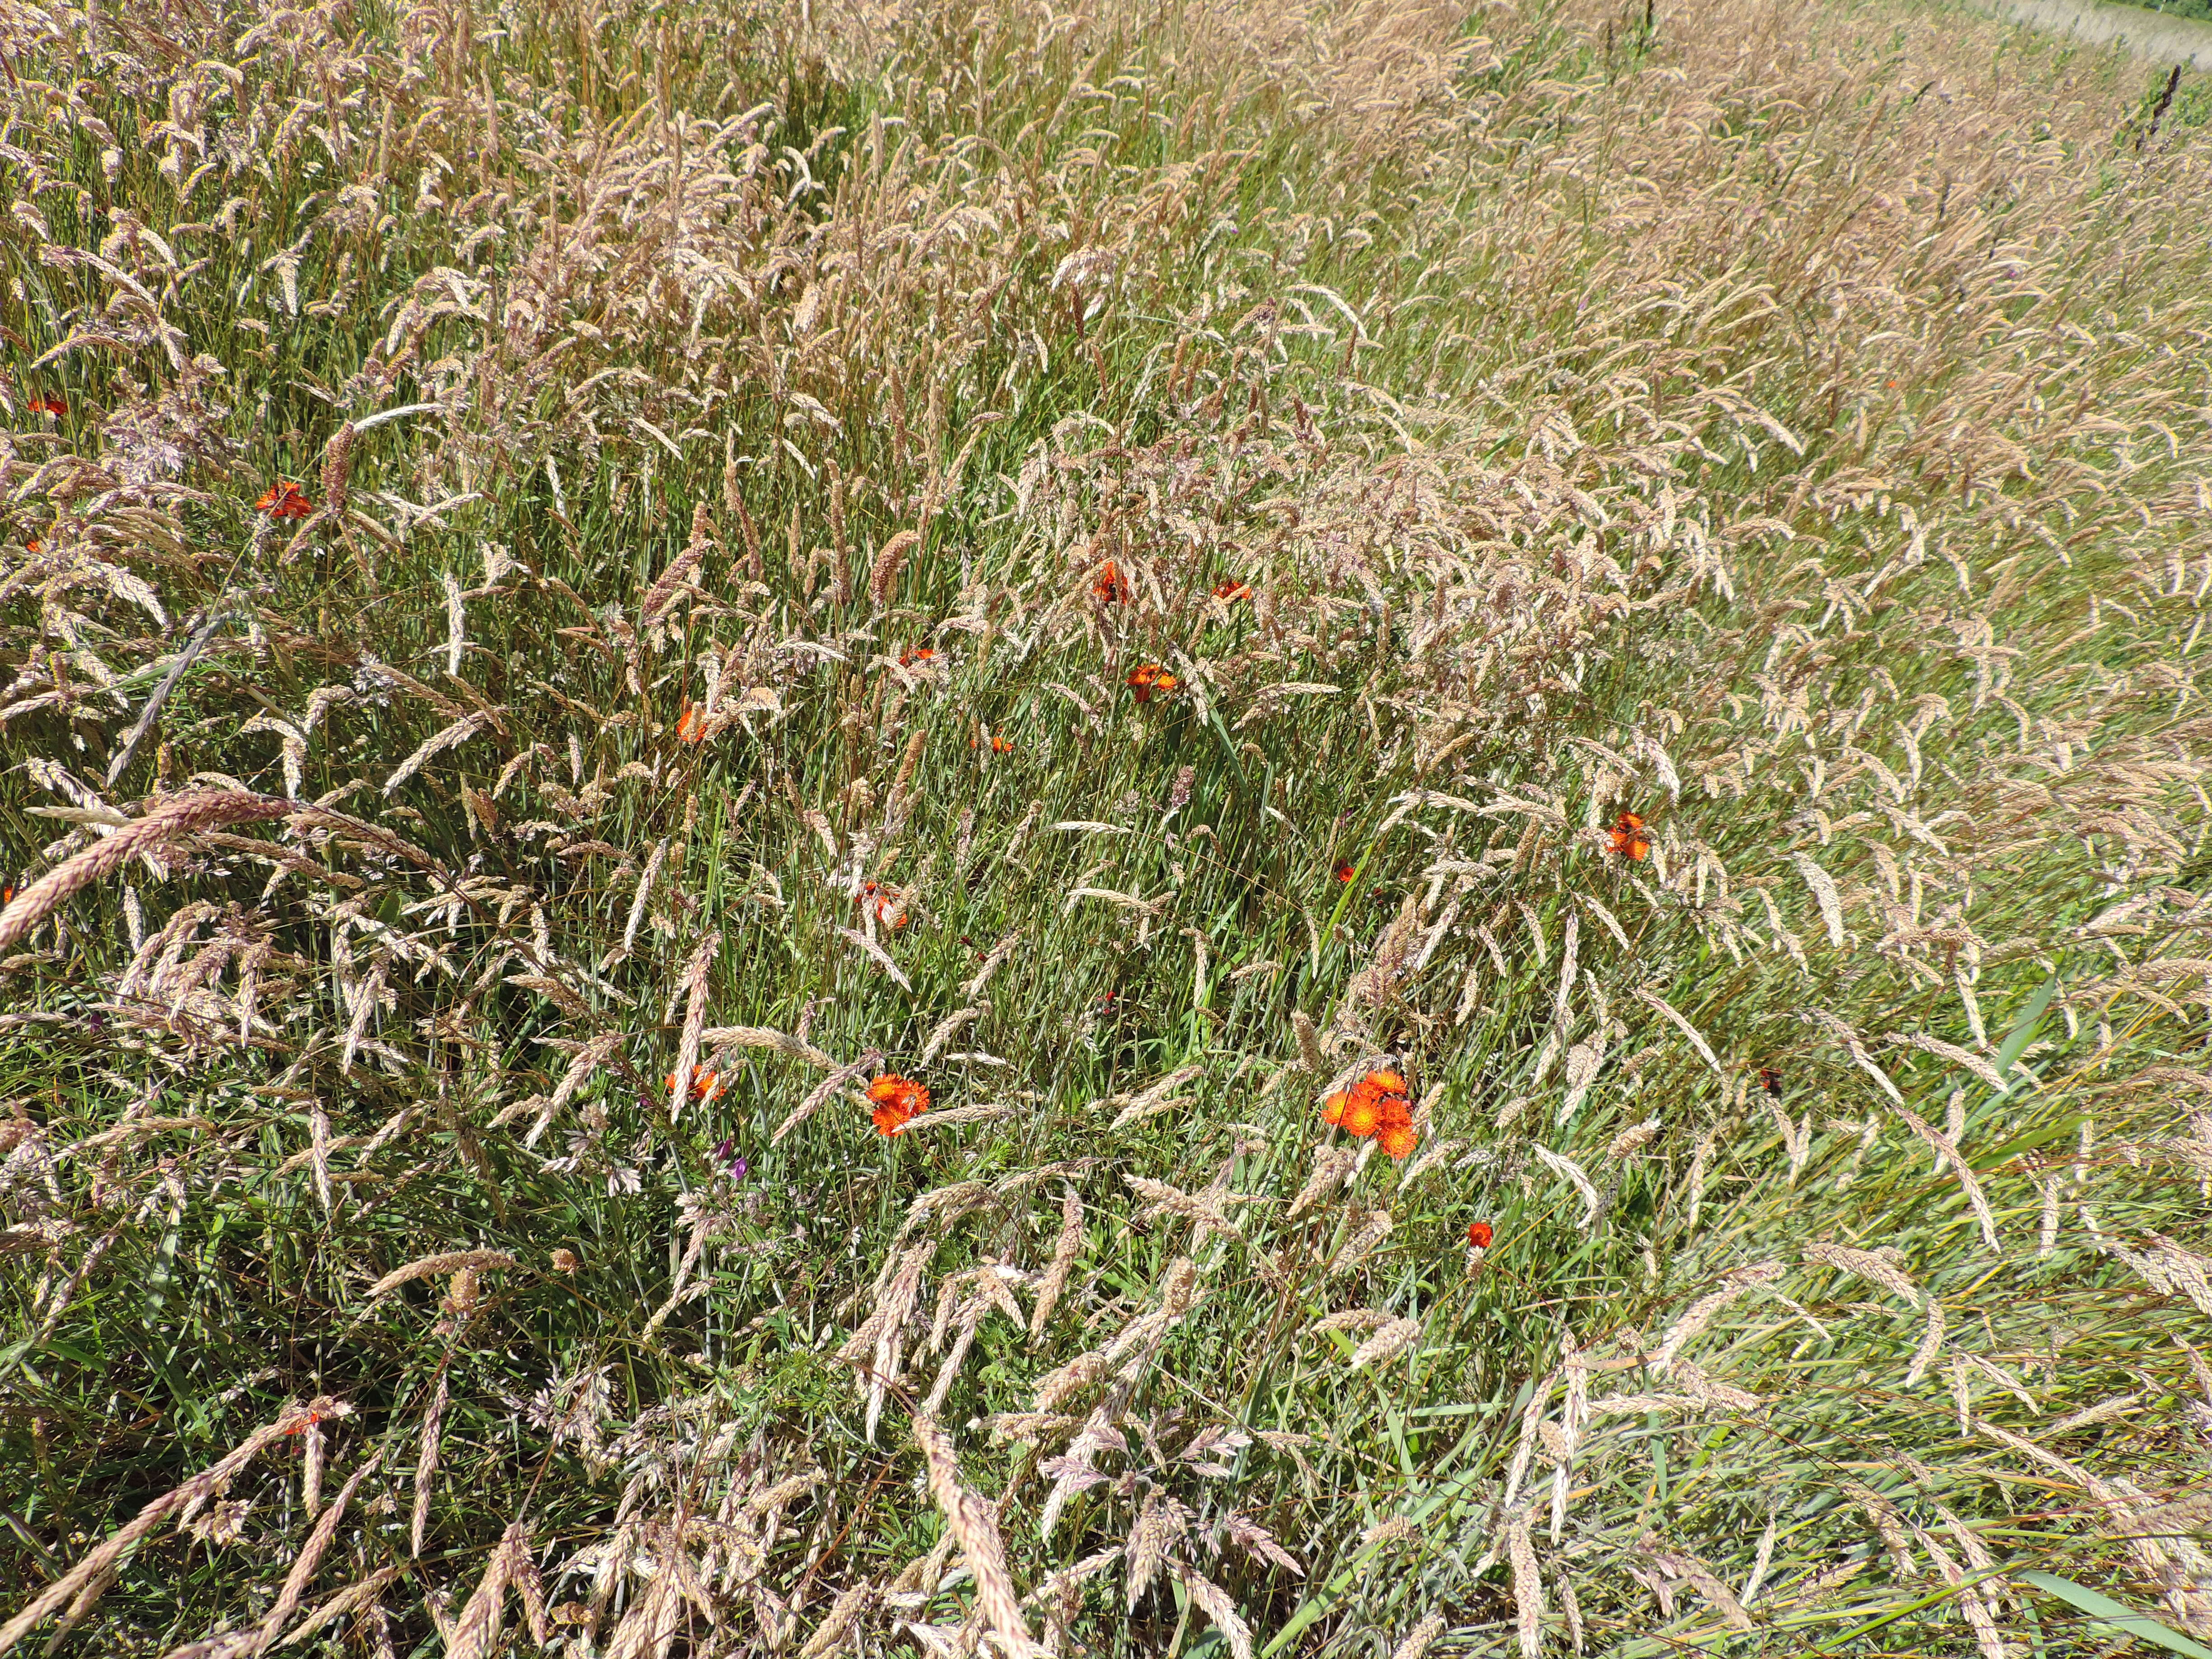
(738, 1167)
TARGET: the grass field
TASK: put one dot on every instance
(580, 584)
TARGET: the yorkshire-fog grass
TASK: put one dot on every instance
(1789, 425)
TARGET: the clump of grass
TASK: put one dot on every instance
(1122, 567)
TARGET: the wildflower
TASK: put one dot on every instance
(47, 403)
(705, 1085)
(738, 1167)
(915, 655)
(34, 546)
(1230, 593)
(1344, 870)
(1377, 1106)
(1479, 1234)
(889, 902)
(1770, 1081)
(897, 1101)
(1628, 839)
(690, 724)
(1001, 745)
(1148, 677)
(285, 499)
(1110, 588)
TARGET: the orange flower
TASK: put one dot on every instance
(690, 724)
(1770, 1081)
(1001, 745)
(919, 653)
(889, 902)
(1479, 1235)
(705, 1085)
(285, 499)
(897, 1101)
(1628, 839)
(1148, 677)
(47, 404)
(1376, 1106)
(1344, 870)
(1230, 593)
(1110, 588)
(34, 546)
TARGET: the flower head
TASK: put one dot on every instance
(1627, 839)
(897, 1101)
(285, 499)
(889, 902)
(1229, 593)
(46, 403)
(916, 655)
(1148, 677)
(690, 724)
(1770, 1081)
(1344, 870)
(1479, 1235)
(1377, 1106)
(1110, 588)
(705, 1085)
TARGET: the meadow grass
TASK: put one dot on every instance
(725, 475)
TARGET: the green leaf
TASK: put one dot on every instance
(2022, 1029)
(2142, 1626)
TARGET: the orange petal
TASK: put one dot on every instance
(1332, 1109)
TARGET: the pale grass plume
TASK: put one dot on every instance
(446, 1262)
(175, 818)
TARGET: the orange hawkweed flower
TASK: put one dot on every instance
(690, 724)
(889, 902)
(1344, 870)
(1230, 593)
(898, 1101)
(1376, 1106)
(1110, 588)
(1479, 1235)
(920, 654)
(1770, 1081)
(1001, 745)
(705, 1085)
(34, 546)
(285, 499)
(47, 404)
(1627, 839)
(1148, 677)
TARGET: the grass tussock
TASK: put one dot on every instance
(806, 797)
